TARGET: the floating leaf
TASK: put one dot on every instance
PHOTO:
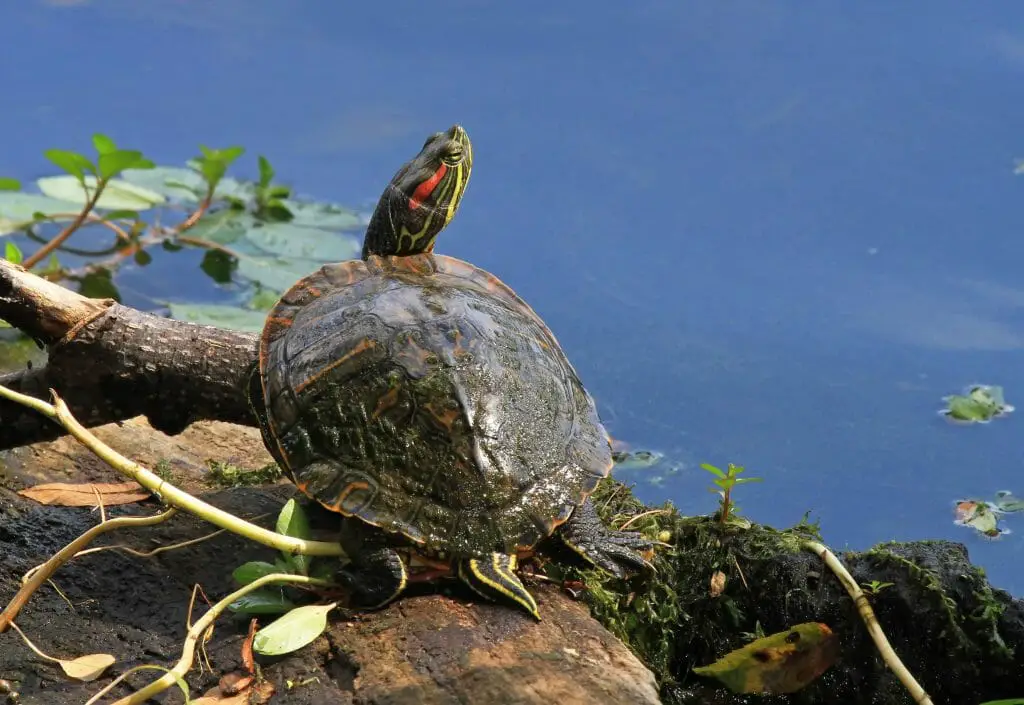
(17, 210)
(1011, 701)
(253, 570)
(118, 194)
(980, 404)
(294, 630)
(325, 216)
(1006, 503)
(292, 521)
(779, 663)
(263, 601)
(978, 515)
(87, 668)
(290, 241)
(636, 459)
(219, 315)
(84, 494)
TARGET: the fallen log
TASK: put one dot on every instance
(962, 637)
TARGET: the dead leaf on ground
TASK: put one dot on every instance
(783, 662)
(87, 668)
(717, 583)
(64, 494)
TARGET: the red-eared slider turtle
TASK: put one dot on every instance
(419, 397)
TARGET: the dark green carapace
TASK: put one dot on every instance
(421, 398)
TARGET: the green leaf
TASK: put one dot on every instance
(248, 572)
(9, 184)
(118, 194)
(113, 163)
(713, 470)
(278, 192)
(17, 210)
(231, 317)
(292, 521)
(1011, 701)
(291, 632)
(262, 601)
(215, 162)
(142, 258)
(12, 253)
(72, 162)
(103, 144)
(266, 172)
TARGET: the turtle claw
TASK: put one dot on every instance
(373, 579)
(617, 552)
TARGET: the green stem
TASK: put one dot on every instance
(58, 411)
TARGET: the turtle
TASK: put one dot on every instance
(423, 400)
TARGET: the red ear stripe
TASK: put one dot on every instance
(427, 187)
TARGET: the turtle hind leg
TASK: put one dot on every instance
(617, 552)
(494, 577)
(376, 574)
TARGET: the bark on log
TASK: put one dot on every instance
(424, 649)
(112, 363)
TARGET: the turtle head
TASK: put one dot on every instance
(422, 198)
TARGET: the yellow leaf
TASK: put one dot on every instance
(783, 662)
(87, 668)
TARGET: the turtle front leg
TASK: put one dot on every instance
(376, 574)
(494, 577)
(614, 551)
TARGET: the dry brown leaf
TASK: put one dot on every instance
(88, 667)
(214, 697)
(64, 494)
(717, 583)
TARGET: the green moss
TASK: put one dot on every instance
(228, 475)
(671, 615)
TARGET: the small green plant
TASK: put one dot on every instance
(228, 475)
(725, 481)
(875, 586)
(292, 521)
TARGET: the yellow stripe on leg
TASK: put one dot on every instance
(495, 579)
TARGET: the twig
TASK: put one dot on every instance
(197, 630)
(93, 218)
(36, 577)
(168, 493)
(652, 512)
(871, 622)
(194, 218)
(64, 234)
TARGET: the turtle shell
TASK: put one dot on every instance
(422, 395)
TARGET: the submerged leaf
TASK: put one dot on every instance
(780, 663)
(294, 630)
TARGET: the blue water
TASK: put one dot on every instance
(772, 234)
